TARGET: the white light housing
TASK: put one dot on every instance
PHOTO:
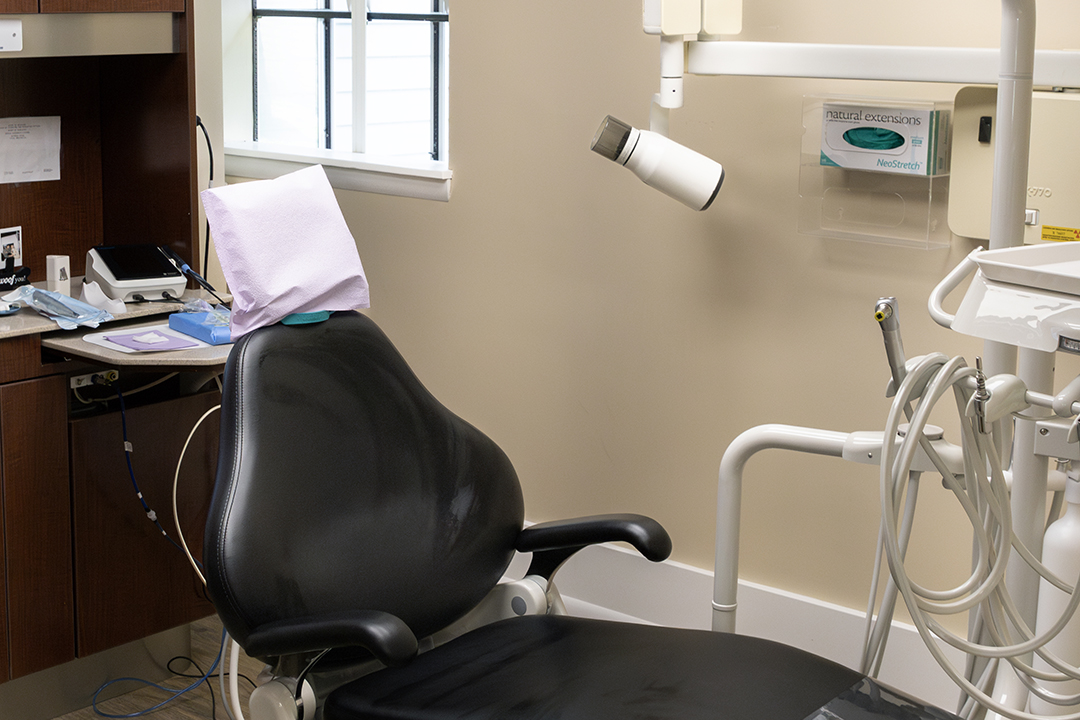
(660, 162)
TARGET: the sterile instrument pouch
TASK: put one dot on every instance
(284, 249)
(216, 315)
(66, 311)
(201, 320)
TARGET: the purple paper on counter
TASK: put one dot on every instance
(150, 340)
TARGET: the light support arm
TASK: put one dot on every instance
(969, 66)
(1013, 123)
(1035, 369)
(659, 117)
(672, 67)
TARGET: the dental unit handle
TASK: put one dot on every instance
(729, 501)
(859, 447)
(946, 286)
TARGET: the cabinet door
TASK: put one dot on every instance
(87, 6)
(37, 524)
(130, 581)
(18, 6)
(5, 671)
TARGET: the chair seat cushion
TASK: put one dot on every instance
(569, 668)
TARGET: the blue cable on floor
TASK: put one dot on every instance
(175, 693)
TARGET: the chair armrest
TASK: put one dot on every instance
(551, 543)
(384, 635)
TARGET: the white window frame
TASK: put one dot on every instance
(363, 171)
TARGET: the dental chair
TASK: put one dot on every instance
(357, 521)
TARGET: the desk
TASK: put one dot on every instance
(85, 570)
(30, 326)
(71, 344)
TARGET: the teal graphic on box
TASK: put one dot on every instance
(892, 139)
(203, 326)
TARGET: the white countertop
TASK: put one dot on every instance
(69, 342)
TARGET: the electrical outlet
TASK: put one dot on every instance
(11, 245)
(78, 381)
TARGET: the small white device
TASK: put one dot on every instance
(660, 162)
(58, 274)
(124, 271)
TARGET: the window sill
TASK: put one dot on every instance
(420, 178)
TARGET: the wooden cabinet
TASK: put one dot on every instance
(132, 582)
(37, 525)
(5, 666)
(82, 569)
(128, 170)
(90, 6)
(127, 176)
(18, 6)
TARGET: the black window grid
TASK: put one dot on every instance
(326, 14)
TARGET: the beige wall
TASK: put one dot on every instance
(614, 342)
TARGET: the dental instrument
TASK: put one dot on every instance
(187, 270)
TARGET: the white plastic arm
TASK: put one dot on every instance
(859, 447)
(947, 285)
(672, 67)
(969, 66)
(729, 500)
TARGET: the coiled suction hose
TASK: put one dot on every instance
(984, 497)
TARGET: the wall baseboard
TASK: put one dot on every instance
(610, 582)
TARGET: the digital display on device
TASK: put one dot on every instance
(137, 262)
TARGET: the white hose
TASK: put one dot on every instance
(234, 686)
(221, 678)
(176, 484)
(984, 496)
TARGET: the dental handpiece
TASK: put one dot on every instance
(887, 313)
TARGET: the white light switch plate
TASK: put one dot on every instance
(10, 35)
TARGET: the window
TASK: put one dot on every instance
(365, 99)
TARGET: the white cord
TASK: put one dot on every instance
(176, 483)
(128, 393)
(877, 632)
(234, 687)
(232, 700)
(149, 385)
(984, 497)
(221, 677)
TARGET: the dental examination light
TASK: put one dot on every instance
(675, 170)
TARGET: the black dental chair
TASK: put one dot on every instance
(353, 512)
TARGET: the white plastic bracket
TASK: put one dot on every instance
(1056, 438)
(672, 66)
